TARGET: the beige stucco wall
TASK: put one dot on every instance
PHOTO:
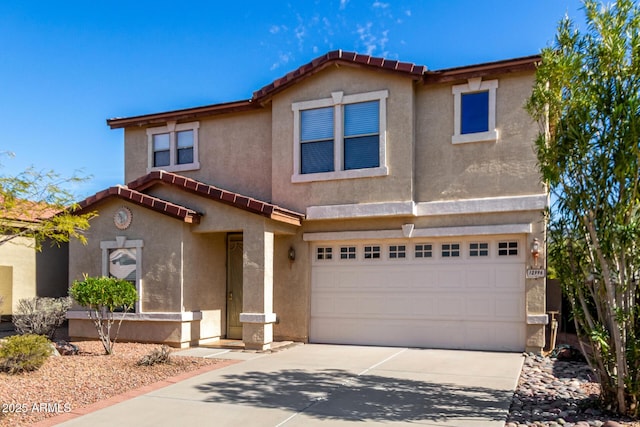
(507, 167)
(399, 149)
(18, 256)
(234, 153)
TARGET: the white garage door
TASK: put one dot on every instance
(453, 293)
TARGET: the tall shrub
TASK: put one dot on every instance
(587, 98)
(108, 300)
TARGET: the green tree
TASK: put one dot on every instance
(38, 205)
(108, 300)
(587, 99)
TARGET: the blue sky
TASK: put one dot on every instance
(68, 66)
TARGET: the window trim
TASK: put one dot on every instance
(172, 128)
(474, 85)
(337, 101)
(123, 243)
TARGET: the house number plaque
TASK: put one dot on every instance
(536, 273)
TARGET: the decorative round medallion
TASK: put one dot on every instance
(122, 218)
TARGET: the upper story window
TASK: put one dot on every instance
(340, 137)
(474, 111)
(173, 147)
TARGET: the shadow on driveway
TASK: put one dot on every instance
(340, 395)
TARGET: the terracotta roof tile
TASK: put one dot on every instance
(262, 95)
(150, 202)
(212, 192)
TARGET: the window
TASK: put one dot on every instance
(478, 249)
(173, 147)
(122, 259)
(372, 252)
(423, 250)
(340, 137)
(348, 252)
(324, 253)
(475, 111)
(397, 252)
(450, 250)
(508, 248)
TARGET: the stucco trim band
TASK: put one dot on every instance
(420, 232)
(446, 207)
(361, 210)
(258, 317)
(537, 319)
(185, 316)
(485, 205)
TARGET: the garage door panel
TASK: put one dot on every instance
(471, 303)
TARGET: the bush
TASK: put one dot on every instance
(41, 316)
(103, 296)
(21, 353)
(157, 356)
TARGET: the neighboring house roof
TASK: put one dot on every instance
(26, 210)
(133, 192)
(333, 58)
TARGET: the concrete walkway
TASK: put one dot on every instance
(333, 385)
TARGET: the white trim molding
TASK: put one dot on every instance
(485, 205)
(474, 85)
(338, 100)
(534, 202)
(537, 319)
(361, 210)
(475, 230)
(185, 316)
(258, 317)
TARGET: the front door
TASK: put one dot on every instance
(234, 286)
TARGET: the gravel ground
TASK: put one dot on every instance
(67, 383)
(553, 393)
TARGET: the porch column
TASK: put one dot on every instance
(257, 315)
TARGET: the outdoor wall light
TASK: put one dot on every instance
(292, 254)
(535, 251)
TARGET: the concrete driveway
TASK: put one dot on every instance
(331, 385)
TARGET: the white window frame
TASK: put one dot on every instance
(474, 85)
(172, 128)
(337, 101)
(121, 242)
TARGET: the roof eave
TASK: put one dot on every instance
(182, 115)
(527, 63)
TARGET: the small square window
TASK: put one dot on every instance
(348, 252)
(372, 252)
(508, 248)
(397, 252)
(324, 253)
(423, 250)
(450, 250)
(478, 249)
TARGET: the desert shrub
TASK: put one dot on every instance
(157, 356)
(40, 316)
(104, 297)
(20, 353)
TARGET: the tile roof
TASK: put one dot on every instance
(133, 192)
(172, 209)
(26, 210)
(336, 57)
(230, 198)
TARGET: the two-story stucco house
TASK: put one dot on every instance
(355, 200)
